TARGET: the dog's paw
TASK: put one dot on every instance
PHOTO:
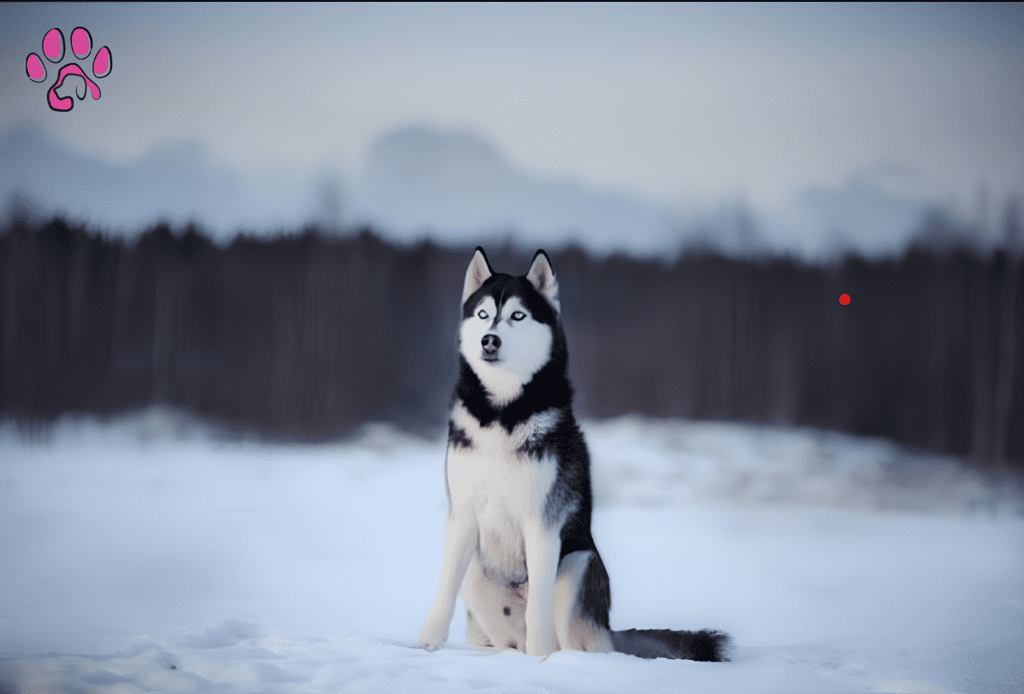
(540, 646)
(433, 638)
(431, 645)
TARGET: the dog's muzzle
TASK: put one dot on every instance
(491, 343)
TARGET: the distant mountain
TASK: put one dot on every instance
(419, 179)
(176, 182)
(879, 221)
(451, 185)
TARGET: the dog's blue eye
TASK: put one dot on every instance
(482, 314)
(518, 315)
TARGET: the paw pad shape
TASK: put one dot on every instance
(81, 47)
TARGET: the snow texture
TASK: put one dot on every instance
(151, 555)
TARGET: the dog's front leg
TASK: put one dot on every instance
(543, 545)
(460, 540)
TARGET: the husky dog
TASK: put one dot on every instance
(517, 473)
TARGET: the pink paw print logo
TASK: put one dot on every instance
(53, 49)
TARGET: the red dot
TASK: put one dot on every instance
(844, 299)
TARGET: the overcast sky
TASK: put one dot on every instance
(684, 104)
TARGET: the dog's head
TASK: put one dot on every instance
(510, 325)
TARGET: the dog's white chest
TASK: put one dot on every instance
(496, 483)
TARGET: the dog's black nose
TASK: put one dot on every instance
(490, 343)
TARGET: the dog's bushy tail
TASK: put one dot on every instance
(705, 645)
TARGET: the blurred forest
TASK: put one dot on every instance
(307, 336)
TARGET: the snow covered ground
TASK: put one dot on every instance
(152, 555)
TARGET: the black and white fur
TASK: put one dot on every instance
(517, 472)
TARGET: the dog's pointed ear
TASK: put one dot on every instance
(542, 277)
(477, 273)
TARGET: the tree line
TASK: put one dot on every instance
(307, 336)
